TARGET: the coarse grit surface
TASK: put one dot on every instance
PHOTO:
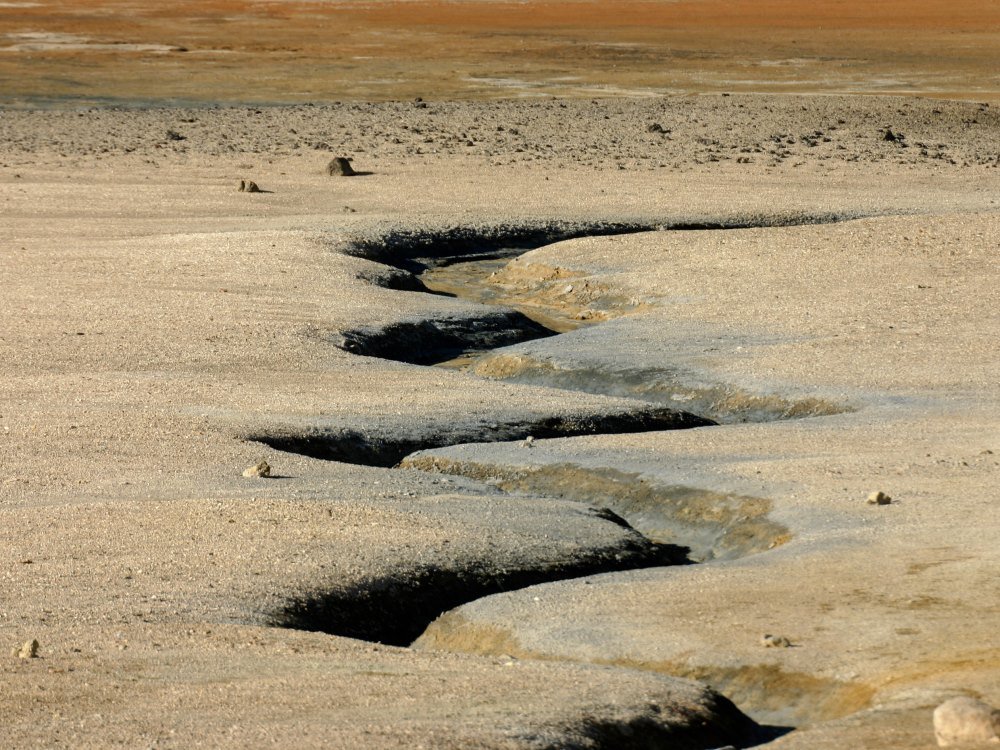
(156, 320)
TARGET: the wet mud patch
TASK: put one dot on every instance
(722, 402)
(558, 298)
(712, 525)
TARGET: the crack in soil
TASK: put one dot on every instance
(372, 448)
(395, 610)
(709, 526)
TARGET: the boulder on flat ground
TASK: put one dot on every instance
(964, 720)
(340, 166)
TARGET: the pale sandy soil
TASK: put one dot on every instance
(154, 319)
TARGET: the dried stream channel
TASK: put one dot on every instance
(396, 609)
(675, 524)
(710, 525)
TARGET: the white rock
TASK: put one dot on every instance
(964, 720)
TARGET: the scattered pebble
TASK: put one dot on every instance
(529, 441)
(774, 641)
(262, 469)
(879, 498)
(28, 651)
(965, 720)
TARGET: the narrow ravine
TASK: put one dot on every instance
(395, 610)
(682, 524)
(675, 525)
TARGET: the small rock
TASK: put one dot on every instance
(243, 186)
(888, 135)
(262, 469)
(28, 651)
(965, 720)
(251, 187)
(529, 441)
(173, 135)
(655, 128)
(879, 498)
(774, 641)
(340, 166)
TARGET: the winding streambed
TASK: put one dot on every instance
(683, 524)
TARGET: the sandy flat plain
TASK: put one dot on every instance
(814, 269)
(159, 325)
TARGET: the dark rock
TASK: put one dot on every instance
(879, 498)
(340, 166)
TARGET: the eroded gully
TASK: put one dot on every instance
(678, 524)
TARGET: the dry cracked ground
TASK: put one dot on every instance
(650, 530)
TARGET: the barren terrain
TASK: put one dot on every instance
(123, 51)
(649, 530)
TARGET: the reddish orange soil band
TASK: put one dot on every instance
(275, 51)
